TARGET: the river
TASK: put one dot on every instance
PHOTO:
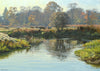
(51, 55)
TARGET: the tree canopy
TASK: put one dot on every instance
(59, 20)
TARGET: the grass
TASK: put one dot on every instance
(18, 33)
(9, 45)
(91, 52)
(5, 29)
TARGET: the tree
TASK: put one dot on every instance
(52, 7)
(93, 16)
(37, 8)
(59, 20)
(72, 6)
(5, 16)
(5, 13)
(12, 15)
(76, 15)
(31, 19)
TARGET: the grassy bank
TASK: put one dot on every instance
(91, 52)
(8, 44)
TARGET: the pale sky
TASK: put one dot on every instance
(85, 4)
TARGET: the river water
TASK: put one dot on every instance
(51, 55)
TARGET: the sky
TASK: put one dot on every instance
(85, 4)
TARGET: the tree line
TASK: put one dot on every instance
(53, 13)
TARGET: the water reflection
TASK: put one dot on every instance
(6, 55)
(60, 48)
(59, 45)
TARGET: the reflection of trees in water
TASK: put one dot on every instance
(60, 45)
(61, 48)
(64, 45)
(5, 55)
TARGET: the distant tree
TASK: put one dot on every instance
(51, 7)
(72, 6)
(12, 15)
(36, 8)
(31, 19)
(93, 16)
(59, 20)
(37, 12)
(23, 15)
(5, 13)
(76, 17)
(5, 17)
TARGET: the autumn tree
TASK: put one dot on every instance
(31, 19)
(12, 15)
(76, 17)
(51, 7)
(59, 20)
(93, 17)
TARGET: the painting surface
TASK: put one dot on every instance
(49, 35)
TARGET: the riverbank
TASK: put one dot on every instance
(8, 44)
(51, 33)
(90, 53)
(41, 56)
